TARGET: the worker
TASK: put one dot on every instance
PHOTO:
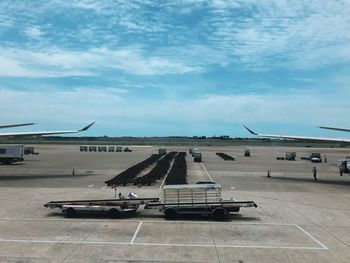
(325, 158)
(268, 173)
(315, 173)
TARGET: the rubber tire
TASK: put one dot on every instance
(219, 213)
(70, 212)
(114, 213)
(170, 213)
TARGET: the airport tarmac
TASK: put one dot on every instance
(297, 219)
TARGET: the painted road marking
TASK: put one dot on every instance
(136, 232)
(207, 172)
(132, 242)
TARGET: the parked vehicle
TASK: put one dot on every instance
(193, 199)
(11, 153)
(344, 166)
(197, 199)
(290, 156)
(84, 148)
(315, 158)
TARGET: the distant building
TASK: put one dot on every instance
(225, 137)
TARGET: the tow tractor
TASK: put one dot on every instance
(199, 199)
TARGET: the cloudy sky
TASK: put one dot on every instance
(176, 67)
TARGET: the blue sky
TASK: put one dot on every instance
(184, 67)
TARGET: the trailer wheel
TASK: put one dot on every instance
(113, 213)
(70, 212)
(170, 213)
(219, 213)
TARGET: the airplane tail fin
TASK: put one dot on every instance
(87, 127)
(252, 132)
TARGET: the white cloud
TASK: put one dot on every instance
(56, 62)
(33, 32)
(274, 34)
(255, 34)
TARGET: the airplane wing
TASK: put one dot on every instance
(44, 132)
(291, 137)
(15, 125)
(334, 129)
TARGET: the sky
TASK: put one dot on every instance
(176, 67)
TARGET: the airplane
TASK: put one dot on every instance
(296, 137)
(38, 133)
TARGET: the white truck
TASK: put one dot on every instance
(11, 153)
(315, 157)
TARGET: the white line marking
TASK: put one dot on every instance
(146, 221)
(136, 232)
(162, 184)
(152, 244)
(314, 239)
(206, 172)
(132, 242)
(62, 241)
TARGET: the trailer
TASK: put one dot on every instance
(92, 148)
(197, 199)
(102, 148)
(83, 148)
(11, 153)
(111, 148)
(113, 207)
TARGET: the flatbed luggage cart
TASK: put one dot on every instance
(114, 207)
(200, 199)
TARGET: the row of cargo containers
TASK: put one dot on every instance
(92, 148)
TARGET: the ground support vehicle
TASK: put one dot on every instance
(196, 154)
(102, 148)
(92, 148)
(83, 148)
(114, 207)
(344, 166)
(315, 158)
(111, 148)
(246, 153)
(290, 156)
(197, 199)
(191, 199)
(29, 150)
(162, 151)
(11, 153)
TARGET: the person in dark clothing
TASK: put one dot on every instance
(315, 173)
